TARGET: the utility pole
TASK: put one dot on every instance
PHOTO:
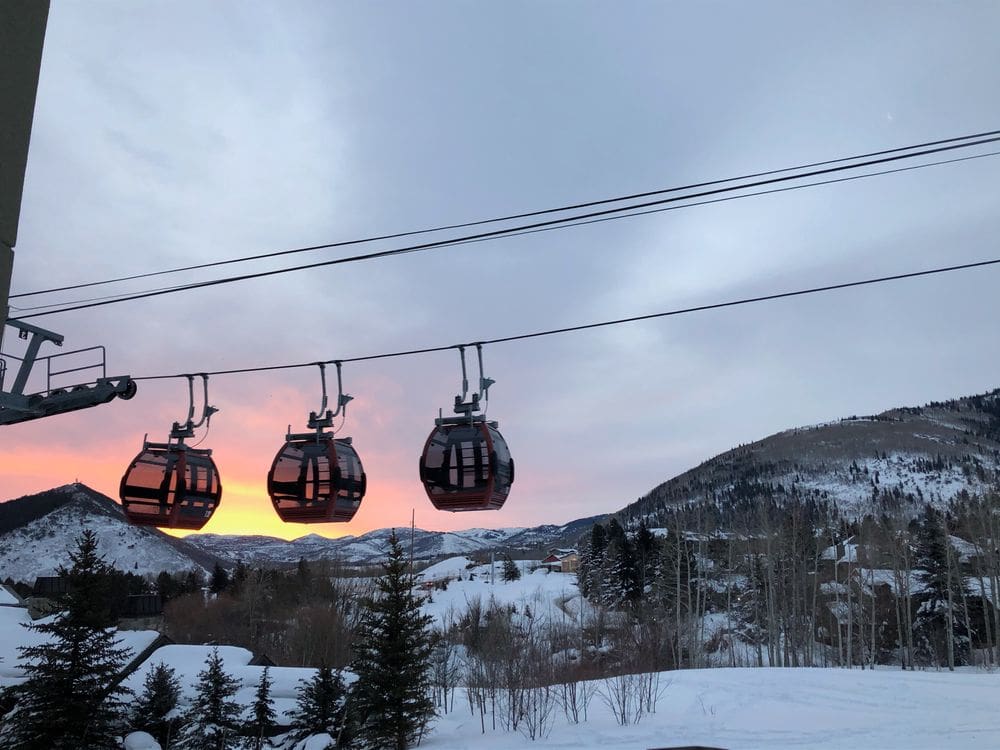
(22, 32)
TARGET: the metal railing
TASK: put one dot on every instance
(51, 362)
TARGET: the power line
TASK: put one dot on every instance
(457, 242)
(602, 324)
(511, 217)
(578, 219)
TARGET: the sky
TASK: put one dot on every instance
(170, 134)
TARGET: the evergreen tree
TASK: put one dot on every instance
(240, 575)
(220, 580)
(72, 699)
(192, 582)
(262, 715)
(167, 586)
(590, 572)
(213, 718)
(510, 570)
(154, 706)
(391, 702)
(942, 597)
(319, 705)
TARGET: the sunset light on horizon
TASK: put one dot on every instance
(230, 167)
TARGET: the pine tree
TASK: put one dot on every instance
(220, 580)
(319, 705)
(590, 572)
(510, 570)
(262, 715)
(152, 710)
(942, 597)
(391, 701)
(72, 699)
(213, 718)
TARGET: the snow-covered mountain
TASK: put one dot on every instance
(900, 458)
(370, 548)
(37, 532)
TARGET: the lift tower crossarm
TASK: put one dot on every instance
(38, 337)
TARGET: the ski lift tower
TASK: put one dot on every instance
(22, 32)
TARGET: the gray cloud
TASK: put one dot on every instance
(184, 132)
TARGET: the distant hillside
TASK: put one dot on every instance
(371, 548)
(901, 457)
(39, 530)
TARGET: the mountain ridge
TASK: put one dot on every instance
(902, 457)
(48, 523)
(37, 531)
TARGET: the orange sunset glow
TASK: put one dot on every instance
(244, 442)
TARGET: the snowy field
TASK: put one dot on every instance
(750, 709)
(547, 595)
(737, 709)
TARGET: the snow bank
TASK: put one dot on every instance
(141, 741)
(773, 709)
(188, 661)
(453, 567)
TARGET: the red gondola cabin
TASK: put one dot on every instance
(316, 479)
(171, 485)
(466, 465)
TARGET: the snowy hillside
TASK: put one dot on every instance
(541, 594)
(41, 545)
(903, 457)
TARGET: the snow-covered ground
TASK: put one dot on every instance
(14, 634)
(545, 594)
(188, 661)
(774, 709)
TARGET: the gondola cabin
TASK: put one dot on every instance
(316, 478)
(466, 465)
(171, 485)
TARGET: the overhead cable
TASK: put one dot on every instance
(62, 305)
(577, 219)
(511, 217)
(601, 324)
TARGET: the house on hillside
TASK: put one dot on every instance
(562, 560)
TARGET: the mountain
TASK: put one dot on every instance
(37, 532)
(370, 548)
(900, 458)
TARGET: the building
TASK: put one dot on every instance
(562, 560)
